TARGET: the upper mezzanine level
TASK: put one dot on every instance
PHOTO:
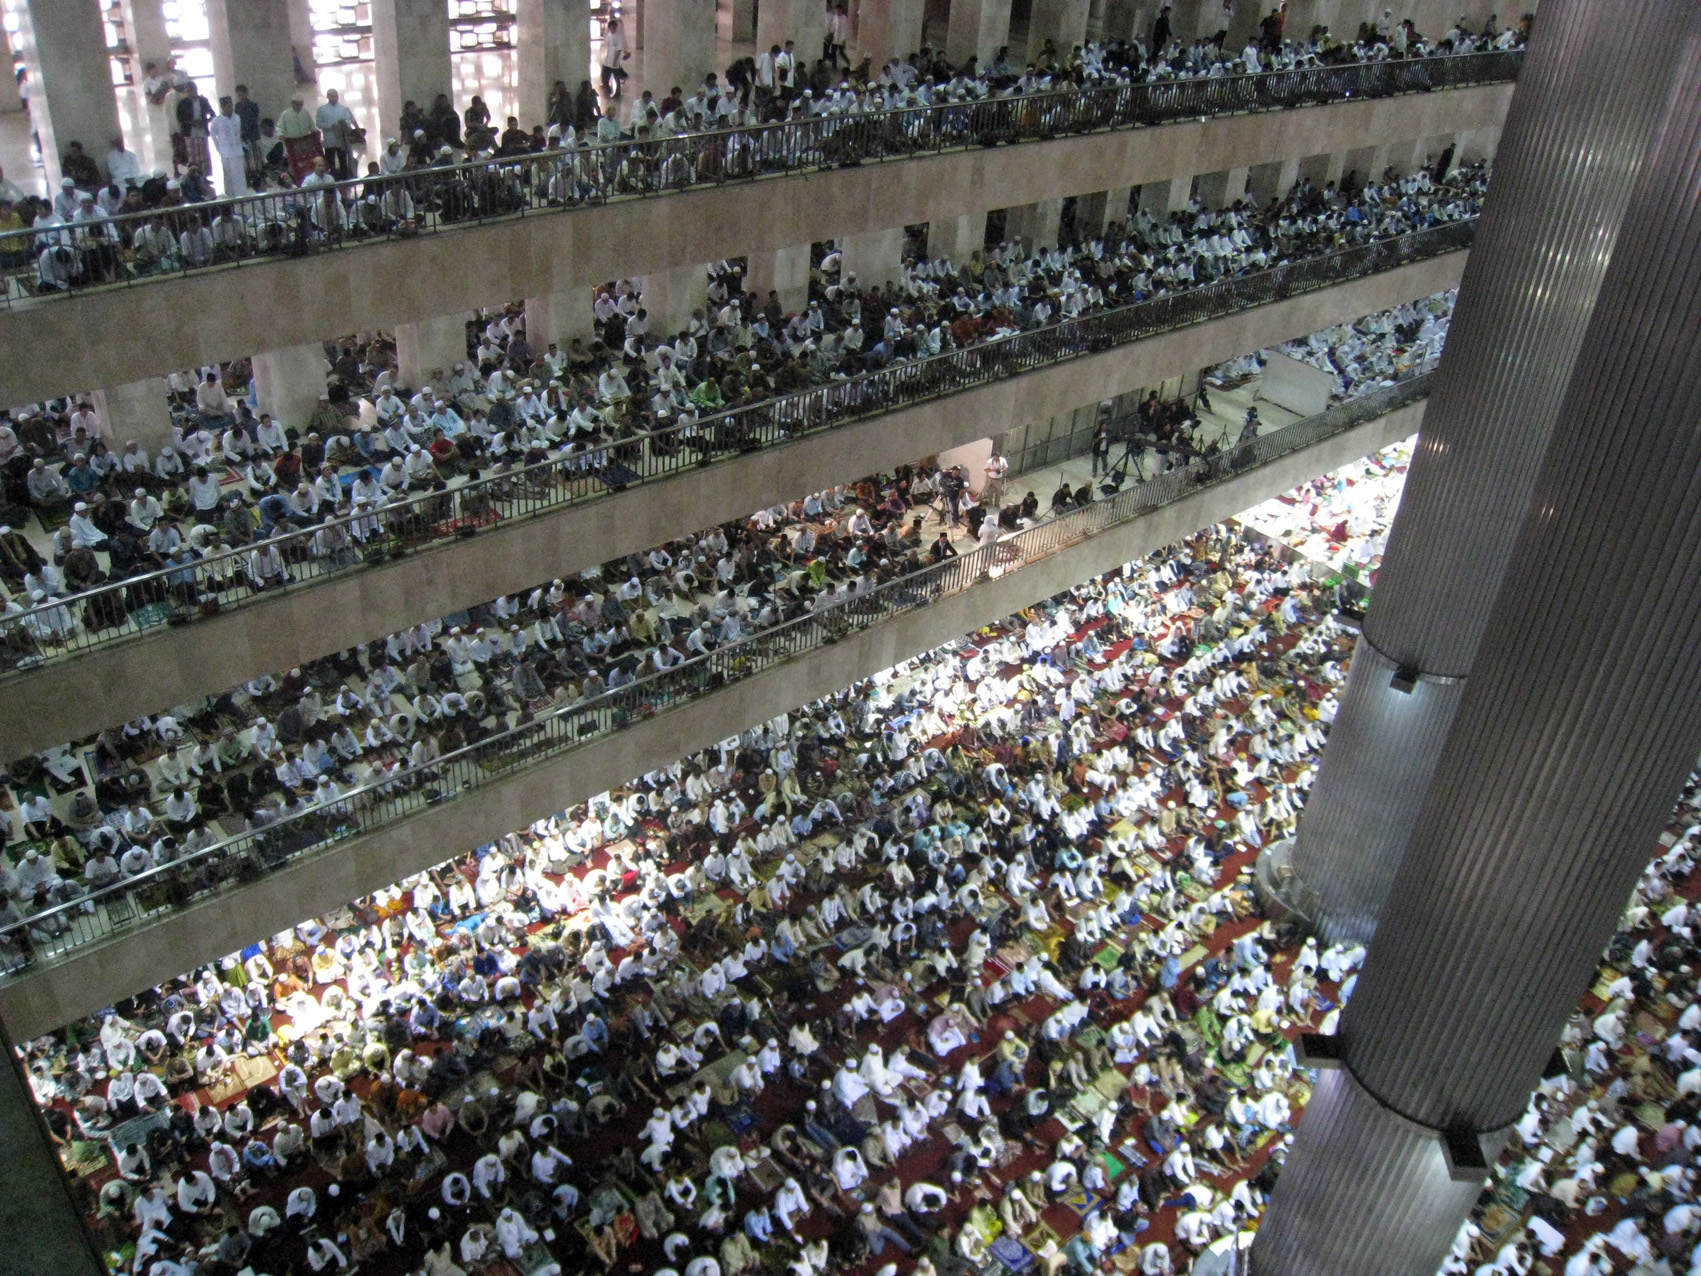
(547, 521)
(644, 207)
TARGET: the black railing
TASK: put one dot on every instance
(56, 934)
(212, 585)
(124, 250)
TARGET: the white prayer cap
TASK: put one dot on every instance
(81, 507)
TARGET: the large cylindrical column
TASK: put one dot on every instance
(1590, 92)
(42, 1225)
(1571, 745)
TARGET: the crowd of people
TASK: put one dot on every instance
(1601, 1174)
(1387, 346)
(962, 962)
(635, 399)
(303, 153)
(291, 746)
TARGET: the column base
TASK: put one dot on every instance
(1281, 894)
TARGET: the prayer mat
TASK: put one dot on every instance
(1194, 955)
(1082, 1202)
(1113, 1166)
(1107, 957)
(1209, 1025)
(1609, 976)
(1012, 1254)
(1089, 1103)
(1496, 1219)
(1110, 1083)
(86, 1157)
(153, 614)
(1042, 1234)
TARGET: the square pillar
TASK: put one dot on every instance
(1221, 189)
(1063, 22)
(301, 41)
(138, 411)
(669, 297)
(876, 258)
(1323, 169)
(69, 90)
(430, 347)
(1366, 162)
(149, 42)
(803, 22)
(1266, 183)
(290, 382)
(958, 238)
(1121, 20)
(251, 45)
(784, 271)
(680, 47)
(552, 41)
(1403, 157)
(1243, 24)
(559, 317)
(735, 21)
(977, 29)
(1304, 16)
(1096, 211)
(1478, 144)
(1160, 199)
(887, 29)
(410, 56)
(1037, 224)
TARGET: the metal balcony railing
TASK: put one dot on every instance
(294, 222)
(184, 593)
(57, 934)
